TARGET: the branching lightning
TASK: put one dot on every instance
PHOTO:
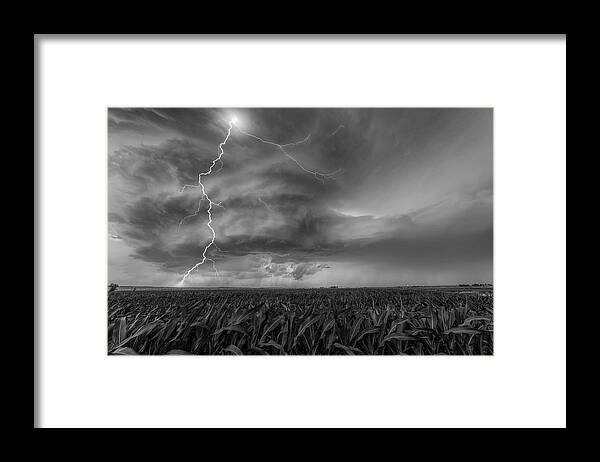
(269, 208)
(337, 130)
(318, 175)
(209, 210)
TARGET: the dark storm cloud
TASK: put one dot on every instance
(147, 167)
(115, 218)
(414, 191)
(186, 123)
(304, 269)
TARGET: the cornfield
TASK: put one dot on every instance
(366, 321)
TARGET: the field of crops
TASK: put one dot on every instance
(371, 321)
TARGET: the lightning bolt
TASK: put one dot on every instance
(317, 174)
(337, 130)
(209, 210)
(260, 199)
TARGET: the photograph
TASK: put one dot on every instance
(300, 231)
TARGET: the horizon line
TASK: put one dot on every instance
(316, 287)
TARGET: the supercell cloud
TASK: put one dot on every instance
(412, 203)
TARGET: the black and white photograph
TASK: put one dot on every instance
(300, 231)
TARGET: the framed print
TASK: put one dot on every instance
(296, 232)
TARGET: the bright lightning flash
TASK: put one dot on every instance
(318, 175)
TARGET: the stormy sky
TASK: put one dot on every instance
(411, 202)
